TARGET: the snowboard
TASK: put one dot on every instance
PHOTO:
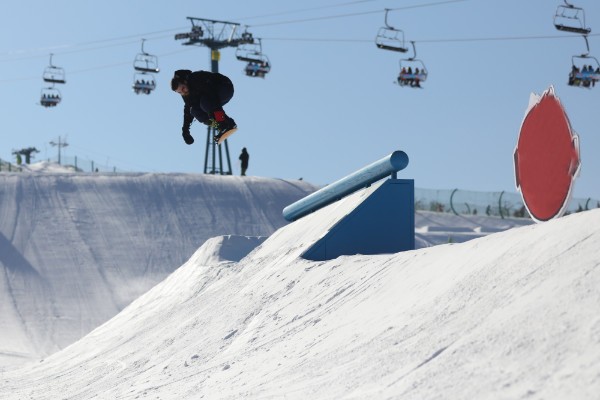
(225, 135)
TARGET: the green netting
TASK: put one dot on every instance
(502, 204)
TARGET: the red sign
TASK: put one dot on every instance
(546, 157)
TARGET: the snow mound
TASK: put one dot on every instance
(49, 167)
(510, 315)
(229, 248)
(76, 249)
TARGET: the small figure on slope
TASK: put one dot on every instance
(244, 158)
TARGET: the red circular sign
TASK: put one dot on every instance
(546, 158)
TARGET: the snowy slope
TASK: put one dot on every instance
(75, 249)
(510, 315)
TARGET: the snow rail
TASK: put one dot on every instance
(362, 178)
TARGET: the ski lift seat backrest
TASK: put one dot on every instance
(145, 62)
(50, 97)
(569, 18)
(591, 64)
(249, 52)
(143, 82)
(413, 65)
(391, 39)
(54, 75)
(252, 58)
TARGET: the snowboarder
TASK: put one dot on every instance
(204, 94)
(244, 157)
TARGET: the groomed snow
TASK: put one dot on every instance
(75, 249)
(509, 315)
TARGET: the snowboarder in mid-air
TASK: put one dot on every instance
(204, 94)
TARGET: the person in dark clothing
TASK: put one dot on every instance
(204, 95)
(244, 158)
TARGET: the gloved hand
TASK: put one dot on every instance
(187, 137)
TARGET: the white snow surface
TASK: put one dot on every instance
(48, 167)
(507, 315)
(75, 249)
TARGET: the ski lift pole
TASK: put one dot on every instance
(587, 45)
(387, 10)
(215, 56)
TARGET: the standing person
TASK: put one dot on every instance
(204, 95)
(244, 158)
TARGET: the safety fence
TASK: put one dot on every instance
(75, 164)
(502, 204)
(6, 166)
(457, 201)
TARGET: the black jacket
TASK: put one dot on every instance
(200, 83)
(244, 158)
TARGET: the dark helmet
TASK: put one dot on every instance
(180, 76)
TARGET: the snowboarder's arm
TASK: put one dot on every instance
(187, 118)
(187, 121)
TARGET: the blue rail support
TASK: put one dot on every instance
(362, 178)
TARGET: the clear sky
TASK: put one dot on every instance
(329, 105)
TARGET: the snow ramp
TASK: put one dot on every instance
(345, 224)
(510, 315)
(383, 222)
(76, 248)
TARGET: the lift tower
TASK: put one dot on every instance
(215, 35)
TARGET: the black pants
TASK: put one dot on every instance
(204, 110)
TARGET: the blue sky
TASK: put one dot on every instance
(327, 108)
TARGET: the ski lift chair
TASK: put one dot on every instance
(258, 67)
(585, 71)
(54, 74)
(412, 71)
(249, 52)
(258, 64)
(569, 18)
(50, 97)
(145, 62)
(390, 38)
(143, 83)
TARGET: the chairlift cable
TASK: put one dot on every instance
(325, 40)
(305, 9)
(357, 13)
(189, 49)
(455, 40)
(56, 49)
(107, 66)
(135, 36)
